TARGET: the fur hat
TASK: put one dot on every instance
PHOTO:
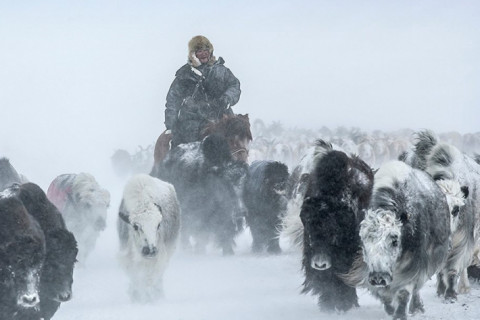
(197, 43)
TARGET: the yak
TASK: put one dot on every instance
(338, 192)
(61, 249)
(444, 162)
(291, 226)
(405, 236)
(83, 205)
(22, 253)
(266, 203)
(148, 227)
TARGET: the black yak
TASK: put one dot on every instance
(265, 198)
(298, 181)
(339, 190)
(61, 249)
(22, 252)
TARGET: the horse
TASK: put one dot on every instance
(234, 128)
(209, 185)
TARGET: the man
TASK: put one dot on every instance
(203, 90)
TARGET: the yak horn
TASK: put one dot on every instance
(124, 216)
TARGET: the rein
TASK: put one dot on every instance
(234, 152)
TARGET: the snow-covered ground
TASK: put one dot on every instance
(211, 287)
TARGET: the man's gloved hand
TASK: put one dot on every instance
(225, 100)
(222, 103)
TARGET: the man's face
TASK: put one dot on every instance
(203, 55)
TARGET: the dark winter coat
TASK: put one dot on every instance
(218, 89)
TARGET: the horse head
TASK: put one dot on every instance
(235, 129)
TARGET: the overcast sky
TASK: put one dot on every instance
(93, 75)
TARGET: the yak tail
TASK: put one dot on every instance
(323, 144)
(425, 141)
(321, 148)
(358, 273)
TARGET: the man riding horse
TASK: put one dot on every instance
(203, 90)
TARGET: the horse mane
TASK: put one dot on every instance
(230, 126)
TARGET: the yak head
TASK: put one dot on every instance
(20, 268)
(22, 253)
(380, 233)
(329, 228)
(331, 209)
(145, 223)
(234, 177)
(456, 196)
(90, 198)
(276, 177)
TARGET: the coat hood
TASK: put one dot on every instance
(196, 43)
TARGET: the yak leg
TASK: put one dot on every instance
(464, 283)
(416, 303)
(274, 246)
(347, 298)
(441, 286)
(201, 241)
(338, 296)
(387, 305)
(402, 298)
(185, 241)
(450, 293)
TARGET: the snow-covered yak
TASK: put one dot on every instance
(83, 205)
(209, 185)
(292, 227)
(22, 252)
(337, 195)
(148, 227)
(8, 174)
(266, 202)
(61, 249)
(405, 236)
(448, 166)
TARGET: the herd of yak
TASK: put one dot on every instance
(388, 230)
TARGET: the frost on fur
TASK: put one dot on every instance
(148, 227)
(83, 204)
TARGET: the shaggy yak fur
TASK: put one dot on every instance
(22, 252)
(339, 190)
(209, 185)
(148, 227)
(61, 249)
(292, 228)
(405, 236)
(266, 202)
(83, 205)
(444, 162)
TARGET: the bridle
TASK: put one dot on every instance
(239, 150)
